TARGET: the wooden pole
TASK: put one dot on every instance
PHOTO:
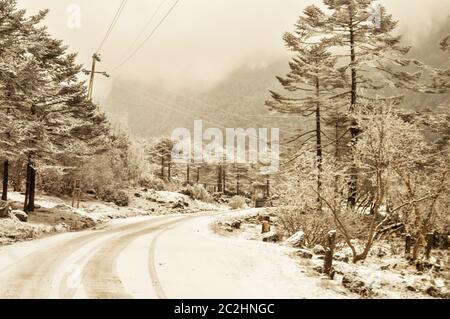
(95, 59)
(198, 175)
(268, 186)
(162, 167)
(5, 180)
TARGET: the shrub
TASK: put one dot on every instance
(237, 202)
(118, 197)
(54, 181)
(292, 220)
(152, 182)
(198, 192)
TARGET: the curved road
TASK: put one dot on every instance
(152, 257)
(80, 264)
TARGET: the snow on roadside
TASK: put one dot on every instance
(195, 262)
(54, 215)
(385, 273)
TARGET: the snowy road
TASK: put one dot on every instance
(152, 257)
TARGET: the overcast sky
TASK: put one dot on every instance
(202, 41)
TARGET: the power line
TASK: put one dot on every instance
(113, 24)
(148, 37)
(144, 28)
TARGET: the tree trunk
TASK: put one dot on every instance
(430, 244)
(162, 168)
(27, 189)
(238, 184)
(353, 187)
(408, 244)
(32, 190)
(224, 179)
(329, 254)
(319, 148)
(5, 180)
(188, 174)
(219, 179)
(169, 170)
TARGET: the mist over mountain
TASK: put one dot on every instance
(238, 101)
(150, 109)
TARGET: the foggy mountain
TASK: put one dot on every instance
(238, 101)
(150, 109)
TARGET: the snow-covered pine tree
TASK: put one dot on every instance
(44, 104)
(440, 78)
(370, 54)
(44, 109)
(313, 81)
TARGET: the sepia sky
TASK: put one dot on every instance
(202, 41)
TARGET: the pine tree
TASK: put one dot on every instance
(440, 78)
(372, 56)
(314, 79)
(44, 105)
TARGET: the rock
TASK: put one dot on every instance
(180, 205)
(236, 224)
(229, 229)
(91, 192)
(385, 267)
(341, 257)
(21, 215)
(37, 206)
(423, 265)
(357, 286)
(318, 269)
(434, 292)
(297, 240)
(303, 253)
(271, 237)
(319, 250)
(5, 209)
(411, 288)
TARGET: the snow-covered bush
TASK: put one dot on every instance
(237, 202)
(151, 181)
(200, 193)
(54, 181)
(118, 197)
(315, 227)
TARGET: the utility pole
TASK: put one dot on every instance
(95, 59)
